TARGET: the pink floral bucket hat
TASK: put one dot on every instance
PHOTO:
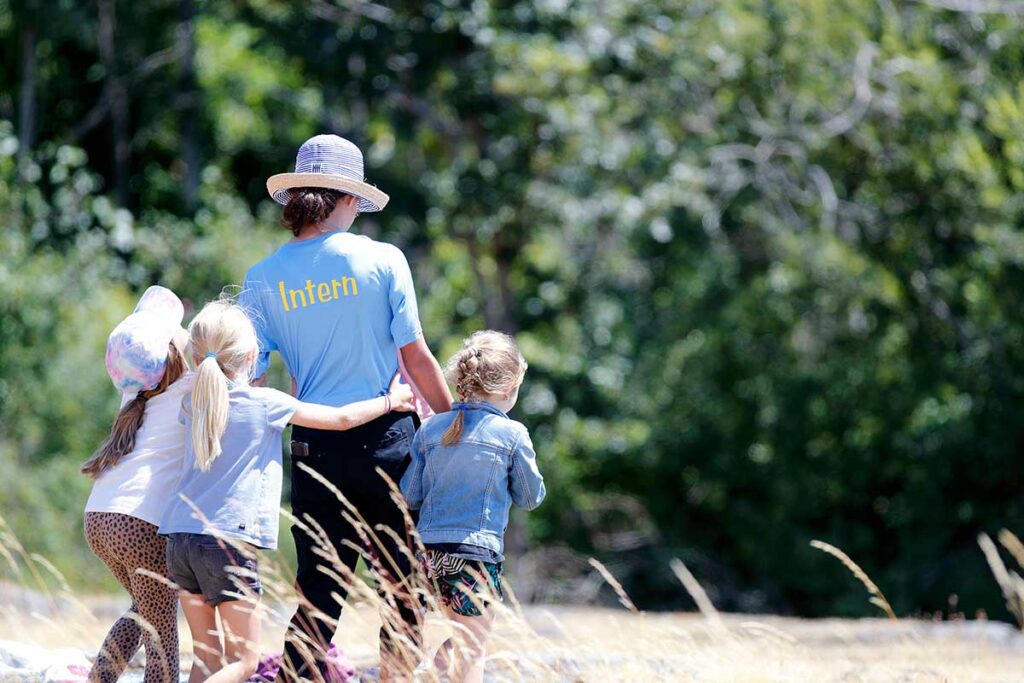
(137, 348)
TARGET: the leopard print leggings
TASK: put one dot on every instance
(126, 544)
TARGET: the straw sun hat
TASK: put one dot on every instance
(331, 162)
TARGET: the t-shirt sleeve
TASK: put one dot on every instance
(280, 408)
(251, 299)
(405, 317)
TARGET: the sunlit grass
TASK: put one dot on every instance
(549, 643)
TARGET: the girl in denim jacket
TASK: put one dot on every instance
(469, 466)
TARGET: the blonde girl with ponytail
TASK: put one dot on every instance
(480, 463)
(226, 504)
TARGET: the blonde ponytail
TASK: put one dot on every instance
(488, 364)
(209, 411)
(223, 336)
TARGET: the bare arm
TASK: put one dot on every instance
(319, 416)
(426, 373)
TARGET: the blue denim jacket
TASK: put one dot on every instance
(464, 491)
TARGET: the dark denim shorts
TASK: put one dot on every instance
(201, 564)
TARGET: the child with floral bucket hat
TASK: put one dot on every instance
(136, 471)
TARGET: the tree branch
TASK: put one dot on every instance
(332, 12)
(27, 105)
(977, 6)
(843, 122)
(144, 70)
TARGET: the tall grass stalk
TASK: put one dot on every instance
(699, 595)
(616, 586)
(877, 598)
(1012, 544)
(1010, 582)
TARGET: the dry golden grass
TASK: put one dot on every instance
(1010, 582)
(594, 644)
(877, 598)
(537, 643)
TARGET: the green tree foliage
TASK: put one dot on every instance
(764, 257)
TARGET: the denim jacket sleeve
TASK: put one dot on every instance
(412, 480)
(527, 483)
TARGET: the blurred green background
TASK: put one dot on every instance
(765, 257)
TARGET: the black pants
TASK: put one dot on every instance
(348, 460)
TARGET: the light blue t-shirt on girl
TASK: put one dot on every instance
(239, 497)
(337, 308)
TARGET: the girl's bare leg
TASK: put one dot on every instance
(207, 651)
(471, 634)
(240, 621)
(444, 659)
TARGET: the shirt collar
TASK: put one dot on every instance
(478, 405)
(319, 238)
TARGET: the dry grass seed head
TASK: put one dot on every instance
(877, 598)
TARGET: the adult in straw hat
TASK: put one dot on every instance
(328, 162)
(340, 308)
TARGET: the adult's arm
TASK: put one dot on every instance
(424, 370)
(419, 362)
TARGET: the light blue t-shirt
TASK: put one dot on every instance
(337, 308)
(241, 493)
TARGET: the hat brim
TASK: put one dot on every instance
(370, 198)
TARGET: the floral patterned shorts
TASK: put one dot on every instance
(463, 585)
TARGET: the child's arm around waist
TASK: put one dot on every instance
(317, 416)
(527, 483)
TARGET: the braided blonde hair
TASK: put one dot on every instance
(488, 364)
